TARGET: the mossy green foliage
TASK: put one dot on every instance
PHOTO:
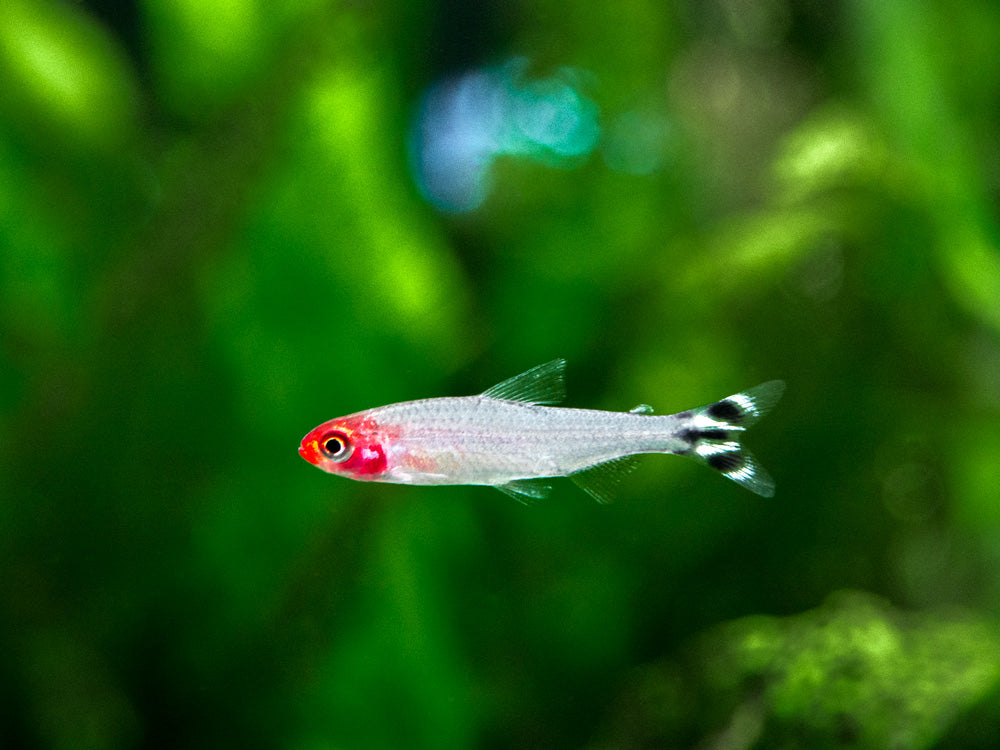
(854, 672)
(211, 241)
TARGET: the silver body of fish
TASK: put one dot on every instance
(507, 437)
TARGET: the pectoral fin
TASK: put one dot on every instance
(526, 490)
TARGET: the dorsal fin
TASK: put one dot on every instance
(544, 384)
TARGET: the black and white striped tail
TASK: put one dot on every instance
(714, 433)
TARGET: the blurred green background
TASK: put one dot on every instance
(222, 223)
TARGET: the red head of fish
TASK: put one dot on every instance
(351, 446)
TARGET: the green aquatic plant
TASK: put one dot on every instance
(855, 672)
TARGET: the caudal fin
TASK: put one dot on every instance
(715, 430)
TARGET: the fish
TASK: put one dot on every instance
(511, 437)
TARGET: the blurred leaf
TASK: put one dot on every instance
(62, 73)
(832, 148)
(907, 79)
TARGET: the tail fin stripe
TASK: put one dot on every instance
(728, 462)
(714, 432)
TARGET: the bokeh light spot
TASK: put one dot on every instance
(466, 122)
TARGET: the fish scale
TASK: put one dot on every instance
(568, 439)
(507, 437)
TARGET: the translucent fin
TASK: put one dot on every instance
(526, 490)
(738, 464)
(746, 408)
(602, 481)
(641, 409)
(713, 434)
(544, 384)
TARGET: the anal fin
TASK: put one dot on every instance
(601, 481)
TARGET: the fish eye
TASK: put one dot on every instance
(336, 447)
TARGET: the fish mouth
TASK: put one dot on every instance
(307, 454)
